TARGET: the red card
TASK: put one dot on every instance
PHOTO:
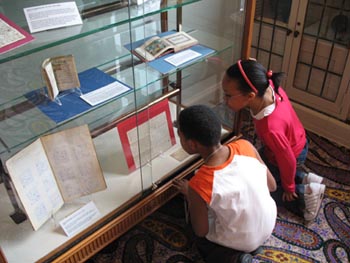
(12, 31)
(146, 134)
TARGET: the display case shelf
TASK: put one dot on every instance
(90, 26)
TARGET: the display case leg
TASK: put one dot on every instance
(18, 216)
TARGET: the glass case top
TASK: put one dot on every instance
(97, 16)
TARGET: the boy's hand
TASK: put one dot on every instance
(182, 186)
(288, 196)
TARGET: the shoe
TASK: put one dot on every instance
(312, 178)
(257, 251)
(245, 258)
(313, 198)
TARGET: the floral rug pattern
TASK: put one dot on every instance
(165, 237)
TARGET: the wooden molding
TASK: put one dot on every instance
(248, 28)
(2, 257)
(325, 126)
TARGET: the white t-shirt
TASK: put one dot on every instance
(241, 211)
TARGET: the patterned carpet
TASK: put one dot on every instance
(164, 237)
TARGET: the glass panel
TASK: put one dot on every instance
(306, 50)
(202, 86)
(25, 78)
(273, 10)
(301, 75)
(317, 78)
(105, 21)
(270, 32)
(324, 49)
(265, 58)
(133, 143)
(276, 61)
(329, 21)
(329, 92)
(268, 37)
(199, 83)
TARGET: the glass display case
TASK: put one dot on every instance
(133, 132)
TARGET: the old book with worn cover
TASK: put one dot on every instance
(59, 74)
(54, 169)
(156, 46)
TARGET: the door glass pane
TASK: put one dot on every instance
(324, 48)
(329, 21)
(270, 31)
(274, 9)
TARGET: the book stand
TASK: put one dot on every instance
(18, 216)
(57, 99)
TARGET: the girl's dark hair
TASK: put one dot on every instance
(257, 75)
(200, 123)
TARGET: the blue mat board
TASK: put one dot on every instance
(163, 66)
(72, 104)
(136, 44)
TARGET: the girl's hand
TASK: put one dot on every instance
(288, 196)
(182, 186)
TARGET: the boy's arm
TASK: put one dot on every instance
(198, 213)
(271, 182)
(197, 206)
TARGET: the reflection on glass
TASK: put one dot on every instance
(277, 10)
(329, 20)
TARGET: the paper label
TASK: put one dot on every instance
(45, 17)
(80, 219)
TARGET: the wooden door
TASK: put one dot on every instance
(272, 33)
(309, 41)
(319, 65)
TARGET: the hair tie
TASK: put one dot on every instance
(269, 74)
(246, 77)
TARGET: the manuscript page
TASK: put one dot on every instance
(74, 162)
(35, 184)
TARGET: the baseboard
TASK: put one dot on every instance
(325, 126)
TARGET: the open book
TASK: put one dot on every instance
(59, 74)
(158, 46)
(54, 169)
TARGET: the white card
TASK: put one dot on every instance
(45, 17)
(182, 57)
(80, 219)
(105, 93)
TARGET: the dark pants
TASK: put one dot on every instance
(297, 206)
(214, 253)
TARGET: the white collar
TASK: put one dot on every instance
(267, 110)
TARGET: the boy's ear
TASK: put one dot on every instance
(192, 144)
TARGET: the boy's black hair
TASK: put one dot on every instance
(200, 123)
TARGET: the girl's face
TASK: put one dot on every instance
(233, 97)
